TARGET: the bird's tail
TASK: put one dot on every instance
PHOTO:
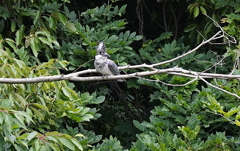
(121, 80)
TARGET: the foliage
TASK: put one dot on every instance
(216, 9)
(45, 105)
(182, 122)
(42, 38)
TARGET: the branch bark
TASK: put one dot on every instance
(76, 76)
(149, 69)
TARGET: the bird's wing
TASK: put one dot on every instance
(113, 67)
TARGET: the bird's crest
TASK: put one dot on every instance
(101, 46)
(101, 49)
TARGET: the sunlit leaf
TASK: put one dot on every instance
(34, 46)
(62, 18)
(77, 143)
(41, 106)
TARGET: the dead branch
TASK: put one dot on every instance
(147, 70)
(76, 76)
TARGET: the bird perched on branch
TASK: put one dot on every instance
(104, 65)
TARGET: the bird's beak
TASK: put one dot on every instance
(107, 55)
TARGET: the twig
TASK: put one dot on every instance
(189, 52)
(151, 69)
(168, 84)
(76, 76)
(233, 94)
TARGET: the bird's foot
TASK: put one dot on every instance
(103, 76)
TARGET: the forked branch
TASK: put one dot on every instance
(149, 69)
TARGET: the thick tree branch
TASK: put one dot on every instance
(148, 69)
(76, 76)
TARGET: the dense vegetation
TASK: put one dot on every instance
(51, 37)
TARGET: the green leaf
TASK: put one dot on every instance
(62, 18)
(52, 22)
(2, 141)
(165, 35)
(237, 122)
(9, 121)
(78, 145)
(21, 100)
(70, 26)
(190, 27)
(231, 112)
(71, 94)
(25, 115)
(34, 46)
(52, 137)
(7, 103)
(115, 9)
(11, 43)
(86, 117)
(203, 10)
(45, 41)
(13, 25)
(31, 135)
(21, 86)
(126, 35)
(208, 28)
(41, 106)
(64, 64)
(20, 120)
(38, 113)
(54, 147)
(138, 125)
(36, 18)
(196, 11)
(84, 111)
(28, 42)
(18, 37)
(214, 104)
(138, 37)
(1, 117)
(23, 142)
(66, 142)
(122, 9)
(98, 100)
(12, 138)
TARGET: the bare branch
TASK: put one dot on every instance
(233, 94)
(189, 52)
(168, 84)
(76, 76)
(148, 69)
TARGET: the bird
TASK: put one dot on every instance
(104, 65)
